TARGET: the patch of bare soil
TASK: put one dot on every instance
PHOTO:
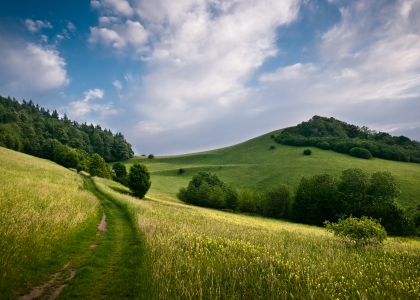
(39, 290)
(57, 277)
(102, 224)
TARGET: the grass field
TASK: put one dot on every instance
(253, 165)
(45, 217)
(199, 253)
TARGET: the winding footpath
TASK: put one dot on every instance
(113, 267)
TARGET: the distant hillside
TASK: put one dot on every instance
(253, 165)
(33, 130)
(342, 137)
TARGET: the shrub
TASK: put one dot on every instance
(98, 167)
(151, 156)
(316, 200)
(139, 180)
(247, 201)
(231, 197)
(272, 136)
(307, 152)
(120, 173)
(272, 147)
(277, 201)
(324, 145)
(360, 152)
(217, 198)
(359, 232)
(182, 194)
(82, 166)
(143, 155)
(181, 170)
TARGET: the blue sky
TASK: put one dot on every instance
(190, 75)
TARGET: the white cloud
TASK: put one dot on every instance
(79, 110)
(44, 38)
(369, 58)
(30, 69)
(203, 53)
(120, 35)
(92, 94)
(117, 84)
(35, 26)
(118, 7)
(71, 27)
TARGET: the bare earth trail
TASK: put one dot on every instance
(113, 267)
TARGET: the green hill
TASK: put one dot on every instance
(45, 218)
(254, 165)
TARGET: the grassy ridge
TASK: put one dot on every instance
(45, 217)
(253, 165)
(197, 253)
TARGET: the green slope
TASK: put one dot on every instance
(253, 165)
(46, 217)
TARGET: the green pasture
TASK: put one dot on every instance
(255, 166)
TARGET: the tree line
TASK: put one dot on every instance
(316, 199)
(329, 133)
(33, 130)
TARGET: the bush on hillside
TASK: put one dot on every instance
(272, 136)
(217, 198)
(120, 173)
(181, 171)
(248, 201)
(307, 152)
(139, 180)
(67, 156)
(316, 200)
(360, 152)
(359, 232)
(277, 202)
(98, 167)
(323, 145)
(182, 194)
(231, 197)
(82, 166)
(151, 156)
(272, 147)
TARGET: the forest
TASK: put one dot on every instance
(33, 130)
(330, 133)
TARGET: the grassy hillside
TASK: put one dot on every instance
(253, 165)
(199, 253)
(45, 216)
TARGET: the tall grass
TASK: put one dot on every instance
(197, 253)
(43, 210)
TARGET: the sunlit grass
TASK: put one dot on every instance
(197, 253)
(43, 210)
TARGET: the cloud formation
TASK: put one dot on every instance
(79, 110)
(30, 68)
(117, 84)
(204, 57)
(36, 26)
(367, 59)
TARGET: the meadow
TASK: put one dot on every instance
(199, 253)
(255, 166)
(45, 217)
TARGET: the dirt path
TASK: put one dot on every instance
(111, 268)
(116, 269)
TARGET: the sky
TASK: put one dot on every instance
(192, 75)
